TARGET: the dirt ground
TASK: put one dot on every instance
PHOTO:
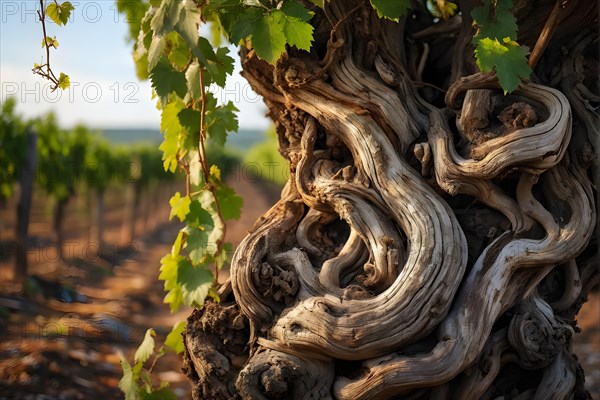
(114, 298)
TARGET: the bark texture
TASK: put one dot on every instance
(436, 238)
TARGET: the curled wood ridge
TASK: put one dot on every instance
(424, 246)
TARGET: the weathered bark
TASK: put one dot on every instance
(425, 246)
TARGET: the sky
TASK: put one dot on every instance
(93, 50)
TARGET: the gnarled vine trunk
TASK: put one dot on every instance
(436, 238)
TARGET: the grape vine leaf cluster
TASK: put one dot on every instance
(136, 382)
(268, 28)
(59, 13)
(181, 65)
(496, 47)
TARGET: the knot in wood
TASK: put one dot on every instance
(263, 276)
(285, 286)
(536, 339)
(274, 380)
(291, 75)
(518, 115)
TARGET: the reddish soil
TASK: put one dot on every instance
(41, 359)
(52, 349)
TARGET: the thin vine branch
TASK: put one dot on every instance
(205, 169)
(158, 355)
(49, 74)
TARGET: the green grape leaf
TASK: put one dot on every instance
(192, 76)
(145, 35)
(204, 51)
(64, 81)
(216, 33)
(174, 339)
(166, 80)
(53, 11)
(169, 121)
(226, 12)
(243, 26)
(189, 21)
(230, 203)
(169, 270)
(442, 8)
(180, 54)
(195, 170)
(137, 368)
(222, 258)
(172, 129)
(177, 244)
(508, 59)
(128, 383)
(187, 27)
(190, 120)
(180, 206)
(221, 67)
(219, 121)
(52, 42)
(195, 284)
(170, 148)
(318, 3)
(65, 12)
(196, 244)
(215, 236)
(198, 216)
(169, 265)
(494, 20)
(214, 295)
(59, 13)
(140, 58)
(391, 9)
(166, 17)
(174, 298)
(268, 38)
(143, 353)
(293, 8)
(297, 32)
(215, 172)
(155, 51)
